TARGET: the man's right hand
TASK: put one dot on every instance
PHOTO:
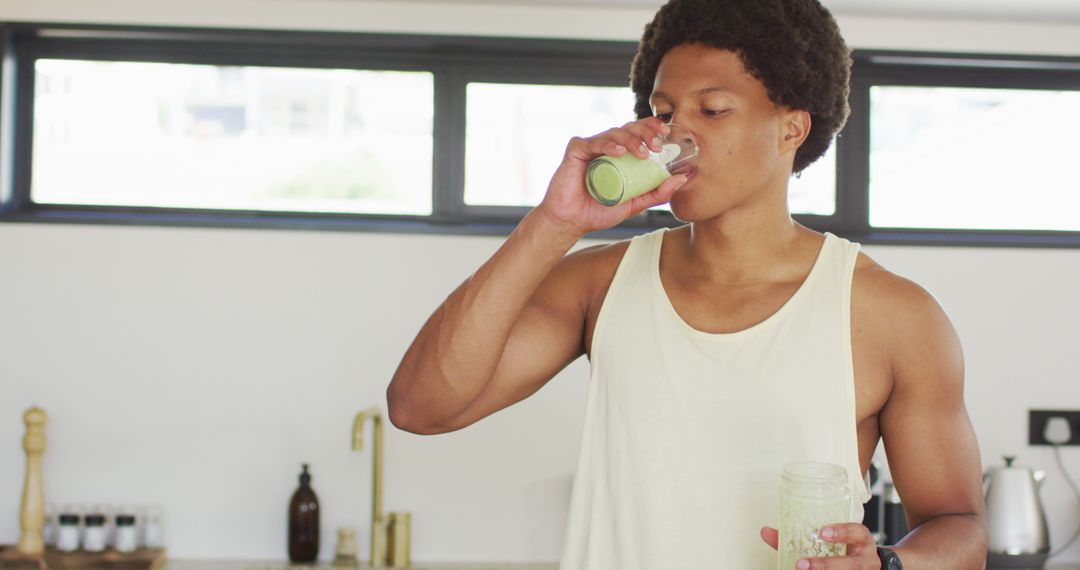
(568, 202)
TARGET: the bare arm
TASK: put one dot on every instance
(520, 318)
(931, 446)
(459, 348)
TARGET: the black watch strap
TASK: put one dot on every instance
(889, 559)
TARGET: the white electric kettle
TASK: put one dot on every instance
(1017, 524)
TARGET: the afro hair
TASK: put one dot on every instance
(793, 47)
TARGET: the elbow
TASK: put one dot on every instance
(401, 420)
(397, 411)
(406, 423)
(398, 405)
(983, 536)
(406, 417)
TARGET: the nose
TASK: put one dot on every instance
(681, 133)
(679, 117)
(682, 121)
(687, 144)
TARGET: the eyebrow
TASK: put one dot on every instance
(702, 91)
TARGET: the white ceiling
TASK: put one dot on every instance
(1051, 11)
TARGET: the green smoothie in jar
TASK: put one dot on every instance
(812, 496)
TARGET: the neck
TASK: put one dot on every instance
(753, 242)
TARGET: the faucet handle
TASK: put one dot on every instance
(380, 536)
(399, 546)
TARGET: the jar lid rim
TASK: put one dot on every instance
(814, 470)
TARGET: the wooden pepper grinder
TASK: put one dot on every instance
(32, 513)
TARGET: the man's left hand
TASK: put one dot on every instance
(861, 548)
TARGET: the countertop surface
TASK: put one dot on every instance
(277, 565)
(272, 565)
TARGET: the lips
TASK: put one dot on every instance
(689, 172)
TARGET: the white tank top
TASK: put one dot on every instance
(686, 432)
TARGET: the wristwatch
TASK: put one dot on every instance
(889, 559)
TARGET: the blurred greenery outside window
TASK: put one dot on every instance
(240, 138)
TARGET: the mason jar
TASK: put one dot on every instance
(812, 495)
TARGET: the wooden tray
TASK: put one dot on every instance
(143, 559)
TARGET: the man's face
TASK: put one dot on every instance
(747, 144)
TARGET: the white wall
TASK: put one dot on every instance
(196, 368)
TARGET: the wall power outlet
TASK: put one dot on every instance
(1038, 419)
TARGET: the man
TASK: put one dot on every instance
(723, 349)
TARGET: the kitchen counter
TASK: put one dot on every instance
(257, 565)
(271, 565)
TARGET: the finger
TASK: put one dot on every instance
(770, 536)
(592, 147)
(662, 194)
(654, 123)
(631, 139)
(646, 133)
(847, 533)
(834, 563)
(638, 137)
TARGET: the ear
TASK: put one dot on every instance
(795, 126)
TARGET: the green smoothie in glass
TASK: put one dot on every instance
(612, 180)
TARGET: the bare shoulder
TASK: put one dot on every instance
(589, 272)
(573, 284)
(586, 273)
(903, 325)
(596, 256)
(883, 295)
(592, 266)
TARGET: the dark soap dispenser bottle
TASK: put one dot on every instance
(304, 522)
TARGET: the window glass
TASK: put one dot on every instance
(963, 158)
(814, 190)
(516, 135)
(244, 138)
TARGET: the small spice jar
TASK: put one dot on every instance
(94, 534)
(127, 537)
(151, 532)
(67, 531)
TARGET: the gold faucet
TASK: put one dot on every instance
(379, 532)
(389, 536)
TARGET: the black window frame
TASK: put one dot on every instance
(455, 61)
(874, 68)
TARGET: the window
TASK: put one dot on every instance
(973, 158)
(169, 135)
(813, 191)
(961, 149)
(117, 124)
(515, 135)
